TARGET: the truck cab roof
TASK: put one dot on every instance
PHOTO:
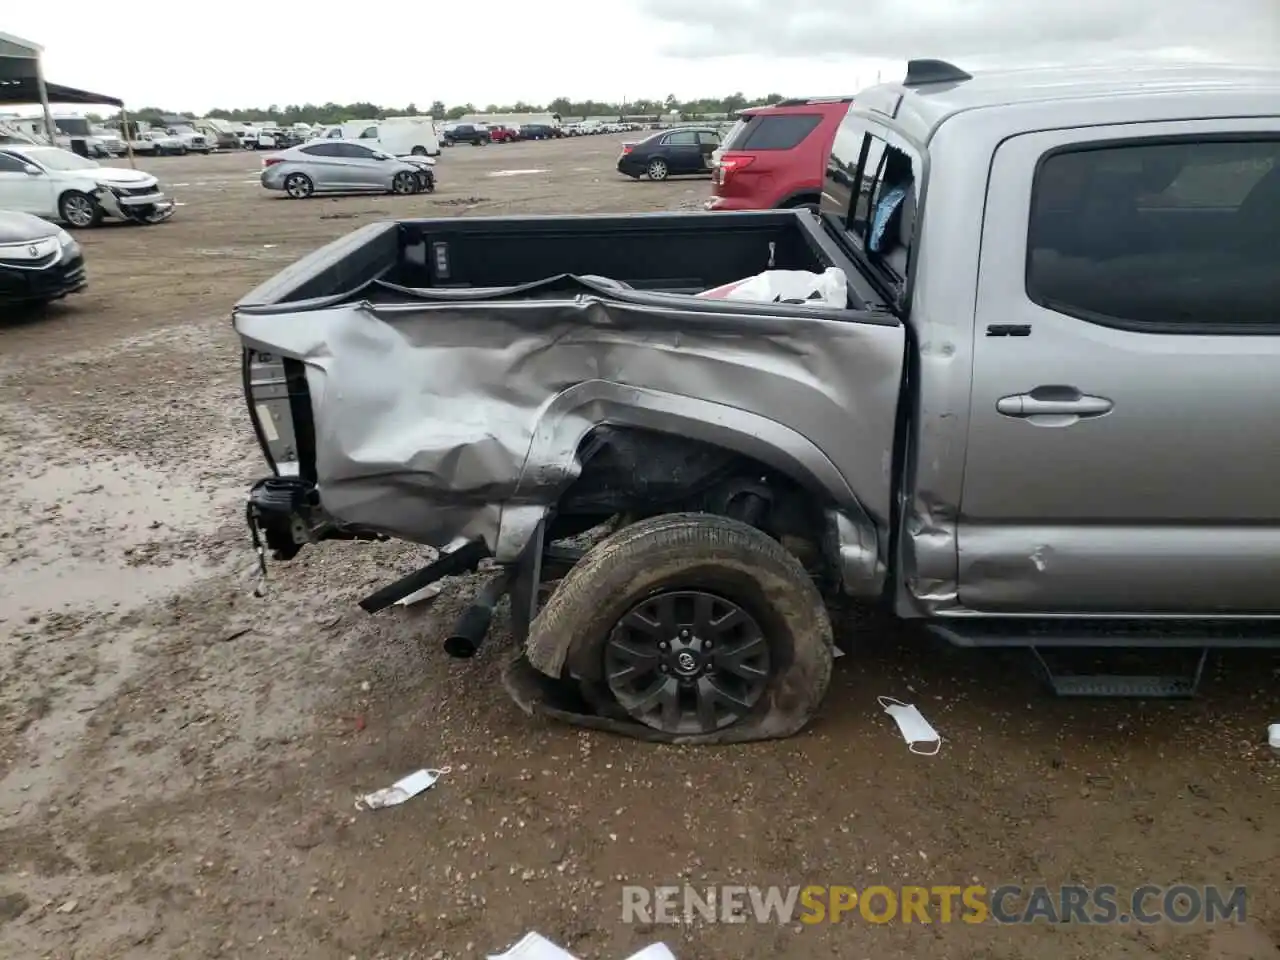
(919, 106)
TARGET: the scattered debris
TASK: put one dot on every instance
(533, 946)
(1273, 737)
(400, 791)
(429, 592)
(69, 906)
(913, 726)
(830, 288)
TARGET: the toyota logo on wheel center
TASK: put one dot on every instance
(686, 662)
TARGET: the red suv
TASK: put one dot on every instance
(777, 156)
(501, 133)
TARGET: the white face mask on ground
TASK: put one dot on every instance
(915, 729)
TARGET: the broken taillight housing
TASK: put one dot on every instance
(731, 163)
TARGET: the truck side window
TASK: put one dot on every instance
(871, 191)
(1171, 234)
(370, 133)
(884, 212)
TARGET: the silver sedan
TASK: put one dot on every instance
(339, 166)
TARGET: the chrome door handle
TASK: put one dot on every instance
(1053, 404)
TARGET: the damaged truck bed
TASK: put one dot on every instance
(989, 435)
(449, 383)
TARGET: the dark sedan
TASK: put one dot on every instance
(671, 153)
(39, 261)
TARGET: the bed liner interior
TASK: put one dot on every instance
(544, 257)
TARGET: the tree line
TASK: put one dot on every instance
(327, 113)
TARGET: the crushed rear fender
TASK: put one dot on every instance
(455, 418)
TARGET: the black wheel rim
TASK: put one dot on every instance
(687, 662)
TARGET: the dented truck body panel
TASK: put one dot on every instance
(435, 420)
(450, 381)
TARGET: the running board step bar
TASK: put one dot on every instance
(1082, 632)
(1147, 686)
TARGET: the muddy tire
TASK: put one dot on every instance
(79, 209)
(697, 628)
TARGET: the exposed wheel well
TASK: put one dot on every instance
(636, 473)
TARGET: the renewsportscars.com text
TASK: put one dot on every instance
(1006, 904)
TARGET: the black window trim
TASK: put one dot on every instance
(898, 291)
(1121, 323)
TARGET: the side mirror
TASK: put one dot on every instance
(32, 170)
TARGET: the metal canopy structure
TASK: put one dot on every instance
(22, 81)
(28, 91)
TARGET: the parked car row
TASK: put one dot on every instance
(42, 186)
(586, 128)
(479, 134)
(772, 157)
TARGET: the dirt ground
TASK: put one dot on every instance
(179, 760)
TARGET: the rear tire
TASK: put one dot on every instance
(744, 651)
(418, 151)
(657, 170)
(299, 186)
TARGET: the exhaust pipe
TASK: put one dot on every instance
(472, 627)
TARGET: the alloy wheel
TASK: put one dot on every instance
(78, 210)
(687, 662)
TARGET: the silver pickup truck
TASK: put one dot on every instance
(1039, 421)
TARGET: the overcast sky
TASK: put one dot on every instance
(236, 53)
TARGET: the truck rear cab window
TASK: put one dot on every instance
(776, 131)
(1176, 235)
(871, 191)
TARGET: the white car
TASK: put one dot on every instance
(57, 184)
